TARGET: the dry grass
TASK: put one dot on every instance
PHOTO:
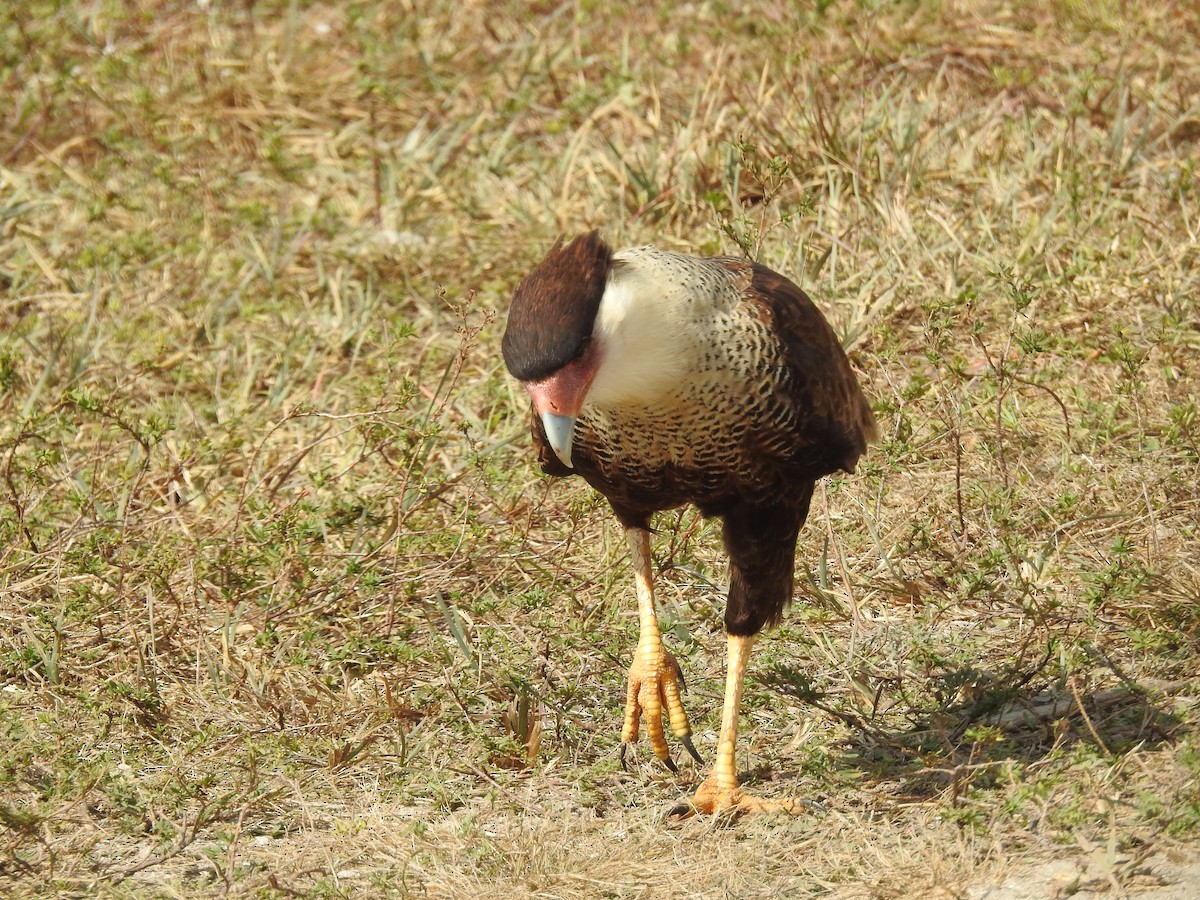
(284, 607)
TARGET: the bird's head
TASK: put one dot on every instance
(591, 326)
(549, 344)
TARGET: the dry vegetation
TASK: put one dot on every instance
(285, 609)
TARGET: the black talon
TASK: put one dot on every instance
(668, 762)
(691, 748)
(682, 811)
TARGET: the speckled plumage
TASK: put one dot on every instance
(760, 403)
(744, 426)
(664, 379)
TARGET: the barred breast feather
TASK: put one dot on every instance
(763, 397)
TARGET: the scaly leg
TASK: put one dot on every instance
(654, 677)
(720, 792)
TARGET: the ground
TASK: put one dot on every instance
(286, 608)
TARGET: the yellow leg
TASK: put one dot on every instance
(724, 773)
(720, 792)
(654, 678)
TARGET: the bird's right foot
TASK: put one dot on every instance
(655, 684)
(718, 796)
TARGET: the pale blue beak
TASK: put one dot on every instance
(560, 432)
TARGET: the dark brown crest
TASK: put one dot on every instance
(554, 307)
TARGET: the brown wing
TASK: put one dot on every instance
(820, 421)
(822, 417)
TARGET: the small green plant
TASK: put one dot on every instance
(755, 179)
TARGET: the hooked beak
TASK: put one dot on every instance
(560, 432)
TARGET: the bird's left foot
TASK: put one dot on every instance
(716, 797)
(655, 681)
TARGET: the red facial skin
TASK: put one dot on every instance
(562, 393)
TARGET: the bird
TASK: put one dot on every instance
(664, 379)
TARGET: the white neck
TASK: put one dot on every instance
(645, 330)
